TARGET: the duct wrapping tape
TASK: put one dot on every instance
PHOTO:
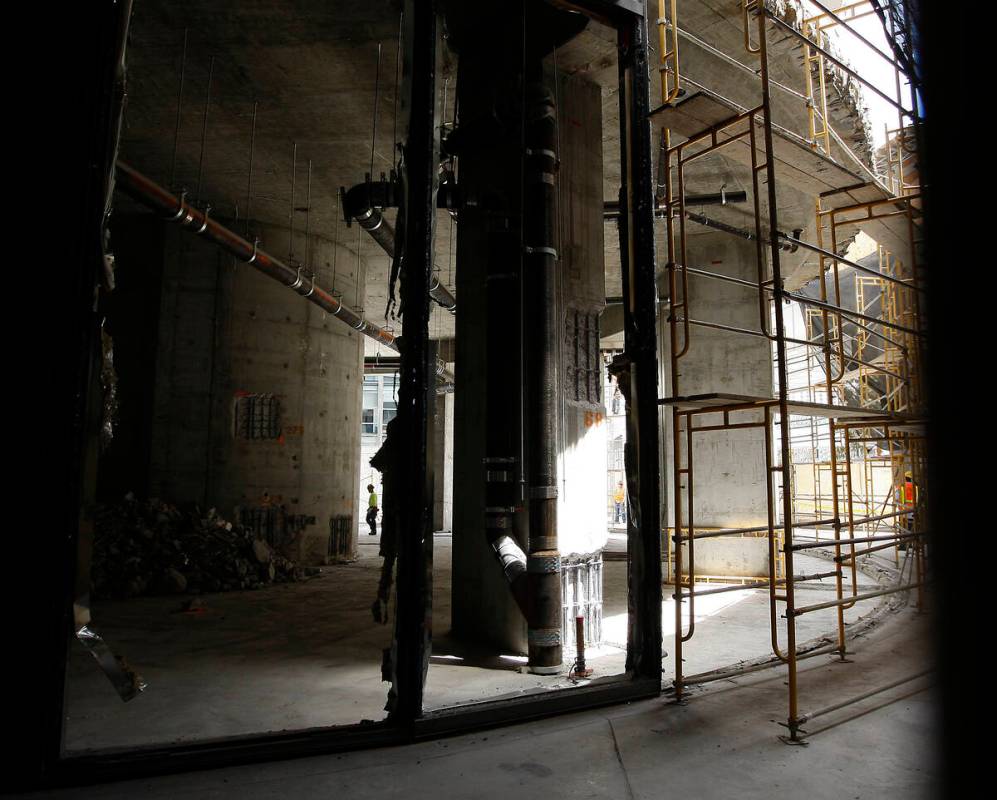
(124, 679)
(543, 563)
(499, 460)
(544, 637)
(543, 492)
(500, 509)
(498, 476)
(510, 555)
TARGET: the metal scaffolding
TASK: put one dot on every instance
(843, 431)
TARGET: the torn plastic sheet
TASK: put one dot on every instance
(124, 679)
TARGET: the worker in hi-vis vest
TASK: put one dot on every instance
(372, 509)
(618, 499)
(907, 500)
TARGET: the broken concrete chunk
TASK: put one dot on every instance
(262, 551)
(149, 547)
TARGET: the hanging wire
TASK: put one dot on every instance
(176, 135)
(204, 128)
(398, 64)
(335, 248)
(359, 267)
(373, 131)
(252, 153)
(290, 213)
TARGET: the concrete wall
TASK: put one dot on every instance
(582, 527)
(443, 463)
(728, 466)
(227, 331)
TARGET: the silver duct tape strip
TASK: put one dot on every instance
(543, 564)
(544, 637)
(123, 678)
(500, 509)
(499, 460)
(510, 555)
(542, 152)
(543, 492)
(498, 476)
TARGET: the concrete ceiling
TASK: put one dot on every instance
(310, 68)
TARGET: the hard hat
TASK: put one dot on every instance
(907, 474)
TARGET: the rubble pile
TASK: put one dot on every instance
(151, 547)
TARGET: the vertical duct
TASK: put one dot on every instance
(539, 264)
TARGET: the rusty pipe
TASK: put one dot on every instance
(176, 209)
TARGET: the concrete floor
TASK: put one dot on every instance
(722, 743)
(303, 655)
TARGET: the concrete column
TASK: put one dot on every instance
(227, 332)
(443, 464)
(729, 466)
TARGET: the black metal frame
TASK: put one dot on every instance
(408, 723)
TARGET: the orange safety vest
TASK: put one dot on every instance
(909, 491)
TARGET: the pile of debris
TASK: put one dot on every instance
(151, 547)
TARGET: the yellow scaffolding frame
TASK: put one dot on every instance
(883, 432)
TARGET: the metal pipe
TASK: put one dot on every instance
(851, 599)
(840, 64)
(150, 194)
(865, 695)
(854, 265)
(721, 675)
(360, 203)
(743, 233)
(783, 379)
(611, 208)
(759, 584)
(540, 265)
(877, 548)
(859, 540)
